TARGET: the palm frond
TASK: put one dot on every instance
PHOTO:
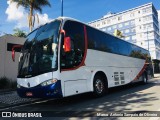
(37, 8)
(42, 3)
(32, 5)
(24, 3)
(37, 19)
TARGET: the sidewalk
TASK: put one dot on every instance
(156, 75)
(9, 99)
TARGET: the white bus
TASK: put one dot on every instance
(66, 57)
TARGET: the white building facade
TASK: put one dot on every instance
(8, 68)
(139, 26)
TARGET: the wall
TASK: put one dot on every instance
(2, 56)
(10, 68)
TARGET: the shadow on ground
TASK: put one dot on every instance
(85, 105)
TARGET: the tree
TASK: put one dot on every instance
(19, 33)
(32, 6)
(118, 33)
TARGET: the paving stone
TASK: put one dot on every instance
(12, 98)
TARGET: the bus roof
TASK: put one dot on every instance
(69, 18)
(72, 19)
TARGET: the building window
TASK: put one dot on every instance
(147, 10)
(10, 45)
(108, 21)
(98, 25)
(127, 31)
(120, 25)
(147, 18)
(126, 23)
(109, 28)
(134, 37)
(114, 26)
(139, 27)
(139, 11)
(133, 30)
(127, 38)
(149, 25)
(120, 18)
(140, 35)
(114, 18)
(104, 22)
(132, 22)
(103, 29)
(132, 15)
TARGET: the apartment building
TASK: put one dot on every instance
(139, 25)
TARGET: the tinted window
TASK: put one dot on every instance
(39, 53)
(75, 31)
(98, 40)
(10, 46)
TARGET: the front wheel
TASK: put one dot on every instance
(99, 86)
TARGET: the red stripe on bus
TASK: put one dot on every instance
(141, 72)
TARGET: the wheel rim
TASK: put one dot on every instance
(99, 87)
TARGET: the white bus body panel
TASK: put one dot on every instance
(81, 80)
(75, 81)
(110, 63)
(34, 81)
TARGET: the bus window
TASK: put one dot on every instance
(73, 58)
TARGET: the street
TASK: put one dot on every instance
(135, 97)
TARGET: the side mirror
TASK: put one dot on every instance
(67, 44)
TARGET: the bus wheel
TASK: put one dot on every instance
(99, 86)
(145, 79)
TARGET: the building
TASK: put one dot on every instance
(8, 68)
(158, 17)
(139, 26)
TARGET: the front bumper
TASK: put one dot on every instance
(49, 91)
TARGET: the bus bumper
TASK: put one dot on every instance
(49, 91)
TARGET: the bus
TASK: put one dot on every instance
(66, 57)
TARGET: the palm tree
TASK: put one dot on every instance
(19, 33)
(31, 6)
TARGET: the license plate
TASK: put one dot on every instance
(29, 94)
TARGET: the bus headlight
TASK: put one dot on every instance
(18, 86)
(48, 82)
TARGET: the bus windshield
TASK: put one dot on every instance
(39, 53)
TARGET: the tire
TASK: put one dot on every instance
(144, 78)
(99, 86)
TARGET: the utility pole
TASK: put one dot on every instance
(62, 8)
(147, 38)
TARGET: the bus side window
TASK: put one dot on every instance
(73, 58)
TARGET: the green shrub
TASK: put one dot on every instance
(14, 85)
(6, 83)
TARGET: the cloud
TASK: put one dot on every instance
(19, 16)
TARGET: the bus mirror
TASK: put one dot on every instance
(13, 54)
(67, 44)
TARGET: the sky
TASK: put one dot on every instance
(83, 10)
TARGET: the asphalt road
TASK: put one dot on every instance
(130, 98)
